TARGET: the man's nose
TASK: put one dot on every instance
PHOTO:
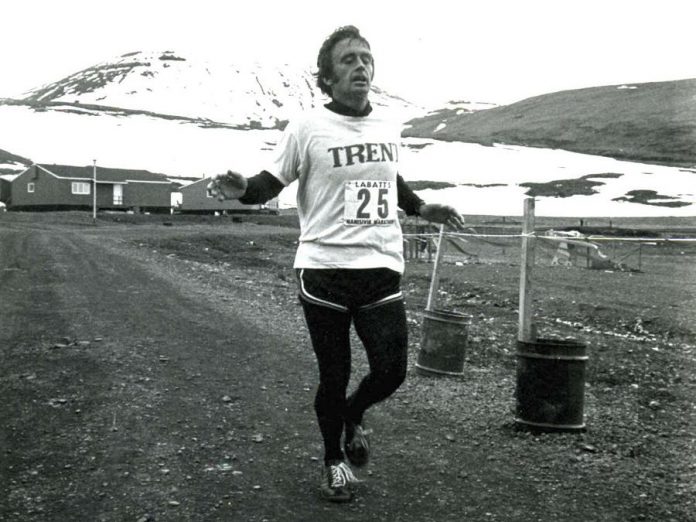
(362, 67)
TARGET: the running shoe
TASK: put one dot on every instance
(335, 482)
(356, 445)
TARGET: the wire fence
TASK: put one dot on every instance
(566, 248)
(636, 283)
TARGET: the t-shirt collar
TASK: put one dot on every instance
(344, 110)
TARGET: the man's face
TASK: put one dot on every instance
(353, 69)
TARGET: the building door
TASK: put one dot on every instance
(118, 194)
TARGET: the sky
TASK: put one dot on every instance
(429, 52)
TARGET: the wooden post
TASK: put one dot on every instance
(94, 190)
(525, 332)
(640, 256)
(435, 280)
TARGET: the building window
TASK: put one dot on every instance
(30, 187)
(80, 187)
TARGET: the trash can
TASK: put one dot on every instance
(550, 392)
(443, 342)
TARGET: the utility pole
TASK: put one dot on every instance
(94, 190)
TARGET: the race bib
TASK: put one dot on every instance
(370, 202)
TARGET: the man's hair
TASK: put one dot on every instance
(325, 58)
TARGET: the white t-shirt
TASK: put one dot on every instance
(346, 167)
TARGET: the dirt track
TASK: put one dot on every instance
(166, 385)
(139, 386)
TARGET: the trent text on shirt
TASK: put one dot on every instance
(364, 153)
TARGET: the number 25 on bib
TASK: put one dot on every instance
(370, 202)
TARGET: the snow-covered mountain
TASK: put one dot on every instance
(242, 95)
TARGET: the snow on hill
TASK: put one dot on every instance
(437, 119)
(243, 94)
(465, 106)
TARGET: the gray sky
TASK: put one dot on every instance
(428, 51)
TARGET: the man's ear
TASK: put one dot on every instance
(327, 81)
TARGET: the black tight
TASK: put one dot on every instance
(383, 332)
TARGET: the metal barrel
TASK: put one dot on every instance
(550, 392)
(443, 342)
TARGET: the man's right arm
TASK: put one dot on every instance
(264, 186)
(256, 189)
(261, 188)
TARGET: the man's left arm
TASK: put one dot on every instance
(412, 205)
(408, 201)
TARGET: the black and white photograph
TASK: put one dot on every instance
(369, 261)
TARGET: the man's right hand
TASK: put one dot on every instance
(231, 185)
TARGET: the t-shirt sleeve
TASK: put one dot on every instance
(285, 164)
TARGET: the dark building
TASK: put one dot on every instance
(62, 187)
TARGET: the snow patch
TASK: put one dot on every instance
(486, 179)
(15, 165)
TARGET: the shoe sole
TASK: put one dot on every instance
(336, 499)
(358, 451)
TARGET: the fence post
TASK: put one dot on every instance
(435, 280)
(404, 241)
(94, 187)
(526, 331)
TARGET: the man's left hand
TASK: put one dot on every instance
(444, 214)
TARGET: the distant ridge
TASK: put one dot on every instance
(646, 122)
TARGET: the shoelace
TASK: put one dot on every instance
(341, 474)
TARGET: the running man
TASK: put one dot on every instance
(349, 261)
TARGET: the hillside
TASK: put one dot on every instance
(649, 122)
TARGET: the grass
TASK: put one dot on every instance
(654, 123)
(435, 185)
(648, 197)
(564, 188)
